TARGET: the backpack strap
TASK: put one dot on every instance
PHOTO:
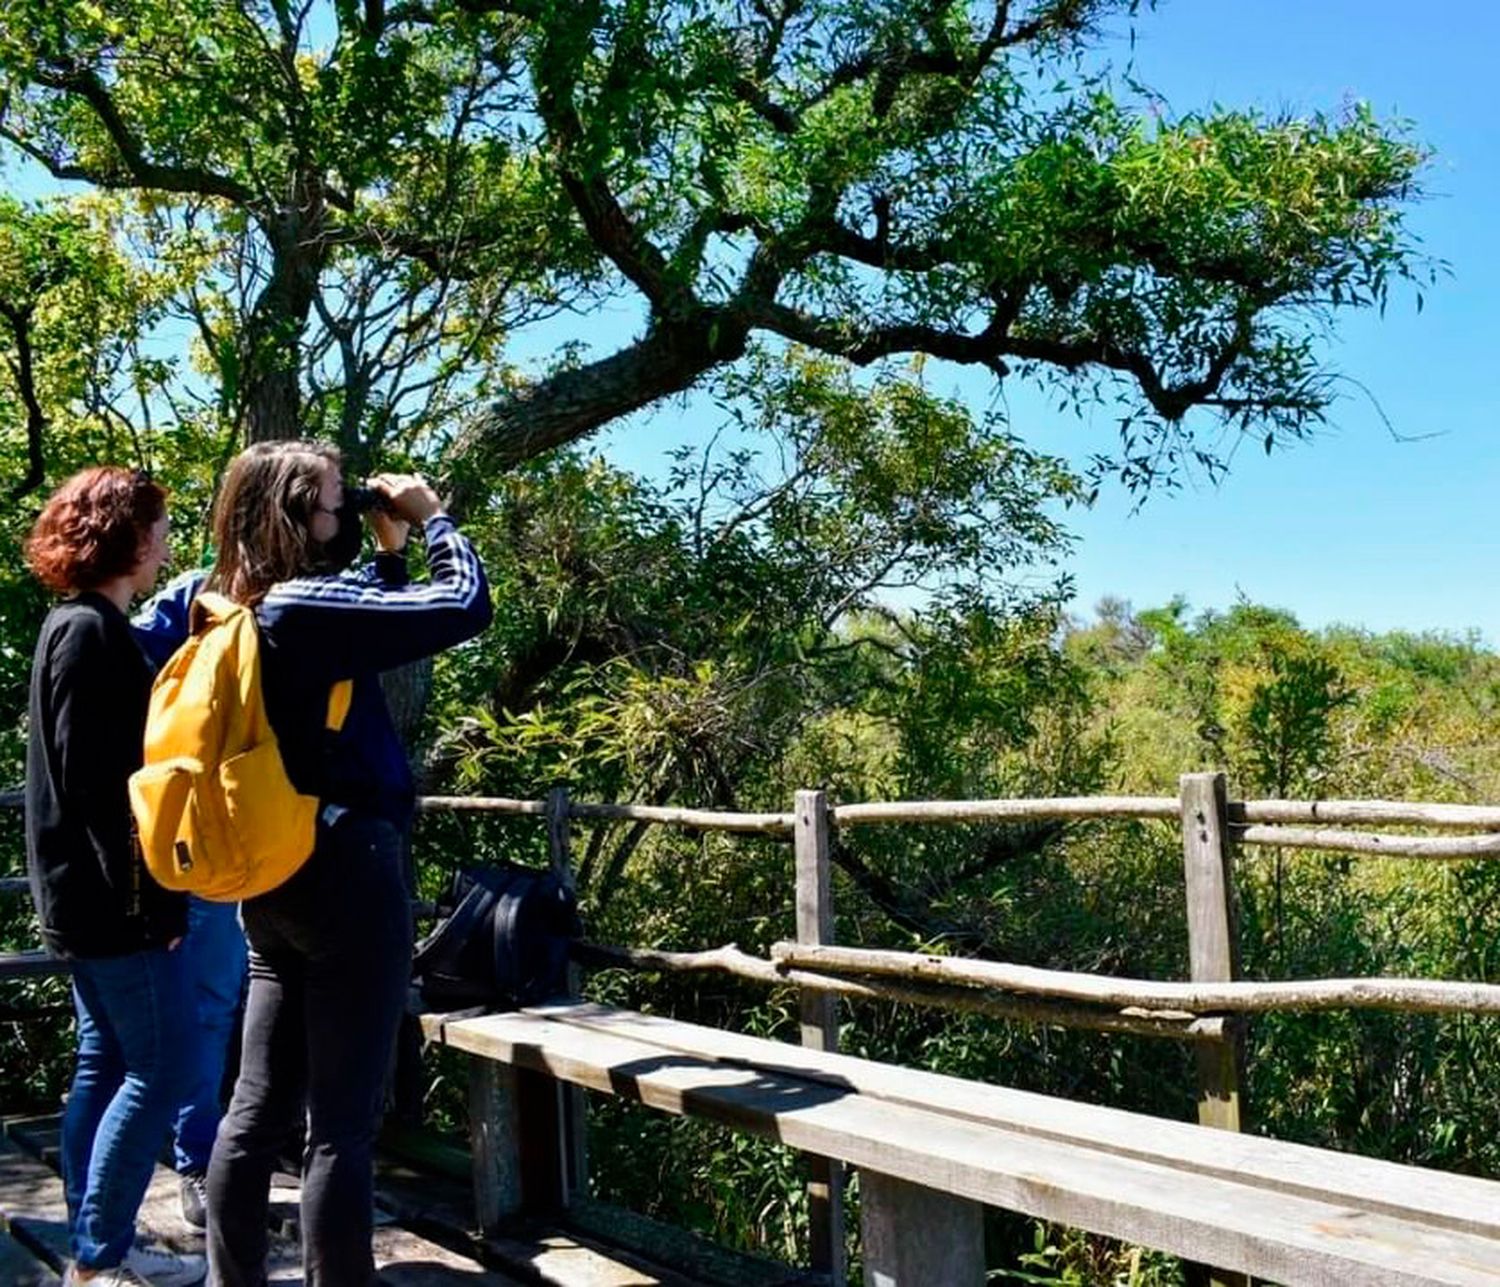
(211, 609)
(339, 698)
(439, 951)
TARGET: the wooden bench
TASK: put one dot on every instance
(933, 1150)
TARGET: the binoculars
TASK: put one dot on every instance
(361, 500)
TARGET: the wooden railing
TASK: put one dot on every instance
(1207, 1010)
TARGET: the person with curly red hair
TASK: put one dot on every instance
(100, 541)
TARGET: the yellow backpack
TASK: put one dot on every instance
(216, 814)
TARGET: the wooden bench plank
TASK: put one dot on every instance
(1286, 1237)
(1450, 1201)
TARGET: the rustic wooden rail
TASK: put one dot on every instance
(1206, 1010)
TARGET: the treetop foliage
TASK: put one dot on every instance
(392, 192)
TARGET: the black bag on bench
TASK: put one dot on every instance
(502, 940)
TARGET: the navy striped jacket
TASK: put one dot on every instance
(317, 630)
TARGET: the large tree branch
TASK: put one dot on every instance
(863, 345)
(1007, 845)
(992, 346)
(85, 84)
(898, 903)
(604, 219)
(570, 404)
(892, 64)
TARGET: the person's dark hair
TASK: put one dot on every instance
(261, 523)
(94, 528)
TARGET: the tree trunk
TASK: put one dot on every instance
(271, 352)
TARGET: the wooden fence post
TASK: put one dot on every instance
(1213, 952)
(820, 1021)
(916, 1237)
(518, 1143)
(574, 1101)
(526, 1129)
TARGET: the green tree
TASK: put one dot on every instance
(396, 190)
(697, 640)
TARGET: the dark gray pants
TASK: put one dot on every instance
(330, 961)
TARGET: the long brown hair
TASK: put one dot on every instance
(261, 519)
(94, 528)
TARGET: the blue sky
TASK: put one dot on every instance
(1354, 527)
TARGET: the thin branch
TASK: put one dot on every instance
(22, 367)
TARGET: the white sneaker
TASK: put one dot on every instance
(145, 1267)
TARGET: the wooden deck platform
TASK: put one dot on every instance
(423, 1235)
(36, 1240)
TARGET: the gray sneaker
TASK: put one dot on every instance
(195, 1199)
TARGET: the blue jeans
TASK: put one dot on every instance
(134, 1030)
(215, 949)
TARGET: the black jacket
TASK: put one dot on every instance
(90, 683)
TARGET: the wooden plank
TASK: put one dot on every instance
(574, 1124)
(546, 1256)
(30, 965)
(600, 1244)
(31, 1195)
(480, 804)
(1291, 1239)
(774, 824)
(492, 1144)
(440, 1206)
(1460, 1202)
(1154, 1000)
(1213, 950)
(32, 1206)
(39, 1135)
(1474, 817)
(697, 819)
(559, 849)
(35, 1211)
(693, 1260)
(402, 1256)
(1451, 848)
(812, 843)
(972, 1000)
(406, 1259)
